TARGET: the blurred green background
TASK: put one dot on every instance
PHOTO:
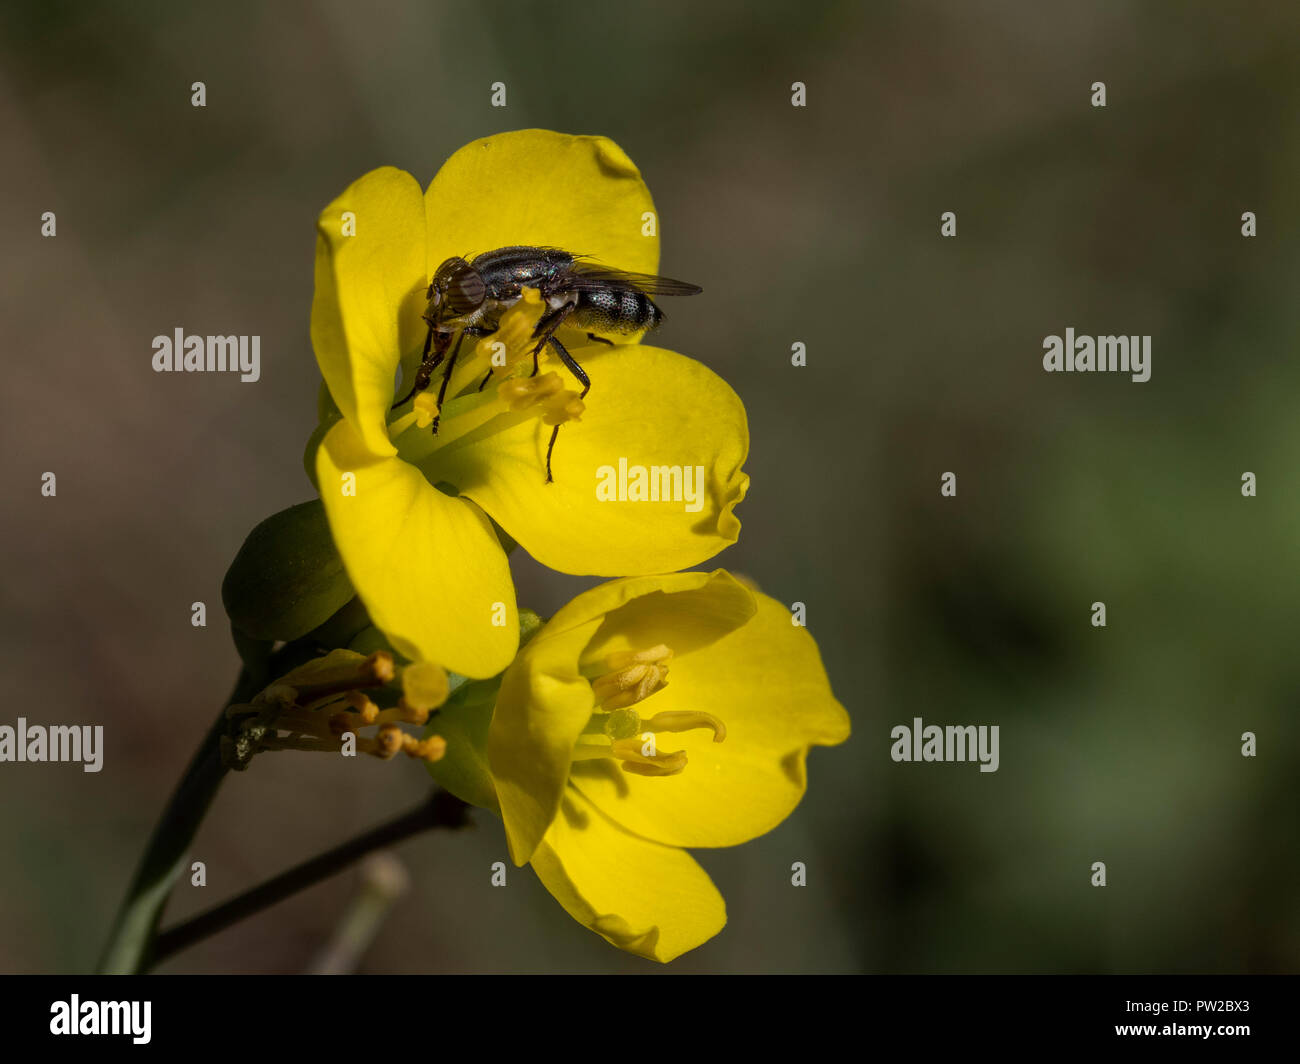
(819, 225)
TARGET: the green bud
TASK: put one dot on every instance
(463, 721)
(530, 624)
(369, 639)
(345, 626)
(287, 577)
(463, 769)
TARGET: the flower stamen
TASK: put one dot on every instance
(632, 753)
(685, 720)
(319, 705)
(546, 394)
(632, 677)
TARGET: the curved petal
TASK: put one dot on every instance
(544, 189)
(545, 701)
(366, 309)
(688, 612)
(712, 605)
(542, 708)
(427, 566)
(767, 684)
(651, 900)
(654, 420)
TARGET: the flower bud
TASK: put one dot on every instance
(287, 577)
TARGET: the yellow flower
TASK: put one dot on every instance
(650, 715)
(410, 522)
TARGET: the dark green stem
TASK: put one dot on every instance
(131, 940)
(442, 810)
(129, 943)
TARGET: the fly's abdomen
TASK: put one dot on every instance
(617, 310)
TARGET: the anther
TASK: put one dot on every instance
(426, 410)
(521, 393)
(627, 687)
(658, 764)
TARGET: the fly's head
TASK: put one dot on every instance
(456, 292)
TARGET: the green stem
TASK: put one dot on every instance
(131, 940)
(163, 862)
(441, 810)
(131, 944)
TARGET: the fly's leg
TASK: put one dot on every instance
(468, 330)
(446, 378)
(427, 367)
(480, 331)
(545, 328)
(571, 363)
(425, 374)
(599, 339)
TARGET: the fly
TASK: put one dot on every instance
(468, 296)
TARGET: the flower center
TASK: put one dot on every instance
(618, 731)
(492, 388)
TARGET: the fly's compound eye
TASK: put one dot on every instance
(460, 286)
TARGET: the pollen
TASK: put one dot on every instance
(426, 409)
(570, 410)
(520, 393)
(545, 394)
(515, 329)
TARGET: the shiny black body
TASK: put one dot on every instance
(507, 271)
(468, 297)
(605, 300)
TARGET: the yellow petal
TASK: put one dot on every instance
(541, 709)
(427, 566)
(652, 408)
(685, 611)
(545, 701)
(369, 296)
(535, 187)
(766, 682)
(651, 900)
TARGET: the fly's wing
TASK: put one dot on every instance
(593, 277)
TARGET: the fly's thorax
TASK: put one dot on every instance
(507, 269)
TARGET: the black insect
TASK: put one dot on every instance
(468, 297)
